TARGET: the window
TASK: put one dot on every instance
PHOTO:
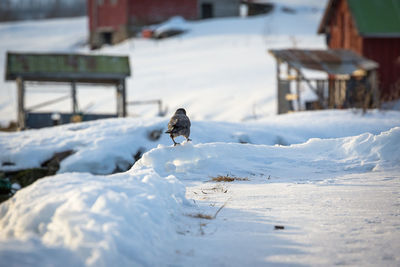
(207, 10)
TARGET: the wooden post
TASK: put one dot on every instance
(278, 74)
(21, 98)
(124, 113)
(373, 82)
(74, 99)
(331, 88)
(121, 99)
(118, 100)
(298, 80)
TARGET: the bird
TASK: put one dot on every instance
(178, 125)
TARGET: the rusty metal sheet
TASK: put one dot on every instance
(331, 61)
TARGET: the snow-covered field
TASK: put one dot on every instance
(329, 178)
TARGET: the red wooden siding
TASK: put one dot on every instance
(343, 30)
(115, 13)
(153, 11)
(111, 14)
(386, 52)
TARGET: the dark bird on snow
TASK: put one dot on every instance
(179, 125)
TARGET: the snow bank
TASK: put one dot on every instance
(100, 146)
(103, 146)
(133, 218)
(123, 220)
(174, 23)
(315, 159)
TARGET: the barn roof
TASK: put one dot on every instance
(331, 61)
(66, 67)
(373, 18)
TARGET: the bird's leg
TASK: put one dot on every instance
(175, 143)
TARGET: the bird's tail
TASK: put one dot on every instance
(168, 131)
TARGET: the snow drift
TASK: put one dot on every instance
(103, 146)
(124, 219)
(317, 158)
(131, 218)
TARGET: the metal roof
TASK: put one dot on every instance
(373, 18)
(331, 61)
(376, 17)
(66, 67)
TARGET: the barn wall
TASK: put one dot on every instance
(385, 51)
(107, 16)
(110, 14)
(144, 12)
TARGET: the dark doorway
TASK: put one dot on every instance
(207, 10)
(107, 37)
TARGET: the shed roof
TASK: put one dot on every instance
(67, 67)
(373, 18)
(331, 61)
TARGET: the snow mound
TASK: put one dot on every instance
(123, 220)
(104, 146)
(175, 23)
(317, 158)
(100, 147)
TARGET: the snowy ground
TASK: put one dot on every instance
(335, 190)
(329, 178)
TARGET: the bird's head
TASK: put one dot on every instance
(180, 111)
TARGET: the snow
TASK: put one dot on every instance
(102, 220)
(119, 140)
(330, 178)
(334, 180)
(318, 158)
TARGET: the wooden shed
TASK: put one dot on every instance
(371, 28)
(350, 82)
(65, 68)
(111, 21)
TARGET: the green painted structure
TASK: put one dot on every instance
(66, 68)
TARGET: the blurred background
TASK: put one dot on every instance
(225, 60)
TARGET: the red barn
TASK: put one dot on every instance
(111, 21)
(371, 28)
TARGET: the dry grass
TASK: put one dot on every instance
(206, 216)
(201, 216)
(227, 178)
(214, 189)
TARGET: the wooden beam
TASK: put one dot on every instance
(373, 81)
(46, 103)
(121, 99)
(124, 112)
(21, 103)
(148, 102)
(74, 99)
(278, 73)
(298, 80)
